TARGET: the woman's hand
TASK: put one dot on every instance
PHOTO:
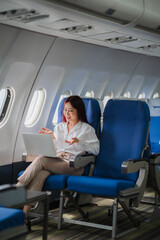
(60, 154)
(47, 131)
(74, 140)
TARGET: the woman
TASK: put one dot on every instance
(71, 137)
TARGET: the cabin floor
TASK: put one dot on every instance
(98, 212)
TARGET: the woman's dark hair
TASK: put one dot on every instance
(78, 104)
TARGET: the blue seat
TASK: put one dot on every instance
(56, 183)
(11, 223)
(154, 144)
(93, 112)
(10, 217)
(120, 172)
(154, 132)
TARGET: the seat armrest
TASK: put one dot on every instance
(155, 159)
(154, 155)
(136, 193)
(75, 161)
(134, 165)
(131, 192)
(154, 172)
(81, 160)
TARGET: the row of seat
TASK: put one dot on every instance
(154, 154)
(93, 112)
(126, 127)
(120, 172)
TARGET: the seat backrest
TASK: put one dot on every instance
(93, 112)
(154, 132)
(124, 135)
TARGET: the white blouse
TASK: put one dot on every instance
(88, 141)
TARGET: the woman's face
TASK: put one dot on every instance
(70, 113)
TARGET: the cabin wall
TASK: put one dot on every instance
(22, 56)
(30, 61)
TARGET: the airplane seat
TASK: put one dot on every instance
(120, 172)
(93, 113)
(55, 183)
(154, 144)
(154, 133)
(11, 223)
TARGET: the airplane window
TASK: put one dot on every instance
(6, 100)
(108, 96)
(127, 94)
(156, 95)
(141, 95)
(89, 93)
(35, 108)
(66, 93)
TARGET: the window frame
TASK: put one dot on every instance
(65, 94)
(107, 96)
(89, 94)
(127, 94)
(36, 107)
(155, 95)
(141, 95)
(6, 105)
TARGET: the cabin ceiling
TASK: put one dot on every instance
(130, 25)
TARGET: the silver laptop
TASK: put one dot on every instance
(39, 144)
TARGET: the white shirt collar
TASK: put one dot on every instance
(76, 127)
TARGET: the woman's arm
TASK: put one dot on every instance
(90, 146)
(86, 140)
(47, 131)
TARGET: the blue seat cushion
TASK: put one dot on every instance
(59, 182)
(98, 186)
(11, 218)
(20, 173)
(53, 182)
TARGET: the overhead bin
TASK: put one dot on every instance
(123, 11)
(151, 16)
